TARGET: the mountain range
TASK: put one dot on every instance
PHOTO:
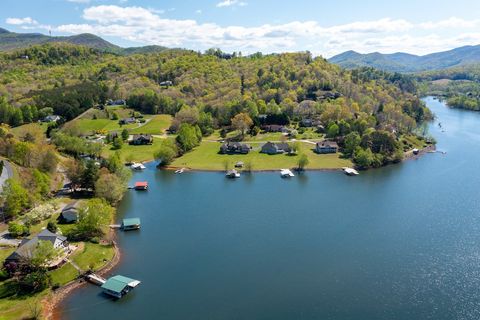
(12, 41)
(406, 63)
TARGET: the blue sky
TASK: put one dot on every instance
(323, 27)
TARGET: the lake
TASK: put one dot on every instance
(400, 242)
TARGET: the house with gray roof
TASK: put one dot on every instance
(27, 247)
(70, 212)
(275, 148)
(326, 147)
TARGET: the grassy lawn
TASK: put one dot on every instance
(17, 307)
(37, 129)
(5, 252)
(156, 125)
(206, 157)
(138, 153)
(64, 275)
(93, 256)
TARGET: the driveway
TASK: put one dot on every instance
(6, 240)
(7, 173)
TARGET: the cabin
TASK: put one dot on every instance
(141, 185)
(69, 213)
(131, 224)
(127, 121)
(234, 147)
(326, 146)
(141, 139)
(275, 148)
(51, 118)
(118, 286)
(26, 248)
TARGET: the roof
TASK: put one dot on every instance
(142, 136)
(327, 144)
(131, 222)
(141, 184)
(71, 205)
(47, 235)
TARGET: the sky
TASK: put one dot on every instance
(322, 27)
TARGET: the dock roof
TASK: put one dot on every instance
(119, 283)
(131, 222)
(141, 184)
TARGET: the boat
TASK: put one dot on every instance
(286, 173)
(137, 166)
(415, 151)
(141, 185)
(232, 174)
(350, 171)
(179, 171)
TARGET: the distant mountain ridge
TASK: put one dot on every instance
(405, 63)
(13, 41)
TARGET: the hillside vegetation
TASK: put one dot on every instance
(208, 90)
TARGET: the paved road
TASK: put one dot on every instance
(7, 173)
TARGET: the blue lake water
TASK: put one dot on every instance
(401, 242)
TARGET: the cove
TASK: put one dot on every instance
(401, 242)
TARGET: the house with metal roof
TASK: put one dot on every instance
(131, 224)
(27, 247)
(118, 286)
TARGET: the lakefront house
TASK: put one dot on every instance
(275, 148)
(234, 147)
(326, 147)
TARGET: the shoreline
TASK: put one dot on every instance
(51, 303)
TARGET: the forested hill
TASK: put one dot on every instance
(10, 41)
(404, 62)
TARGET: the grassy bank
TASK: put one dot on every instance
(206, 157)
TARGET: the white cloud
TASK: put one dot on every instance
(149, 26)
(21, 21)
(229, 3)
(199, 11)
(452, 22)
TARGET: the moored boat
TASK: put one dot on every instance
(350, 171)
(232, 174)
(179, 171)
(286, 173)
(137, 166)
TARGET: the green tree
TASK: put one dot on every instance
(125, 134)
(90, 175)
(363, 157)
(15, 198)
(110, 187)
(302, 161)
(187, 137)
(93, 217)
(352, 141)
(333, 130)
(42, 183)
(42, 254)
(166, 152)
(242, 122)
(117, 143)
(17, 230)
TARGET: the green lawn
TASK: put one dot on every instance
(206, 157)
(15, 307)
(5, 252)
(156, 125)
(35, 128)
(138, 153)
(94, 256)
(64, 275)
